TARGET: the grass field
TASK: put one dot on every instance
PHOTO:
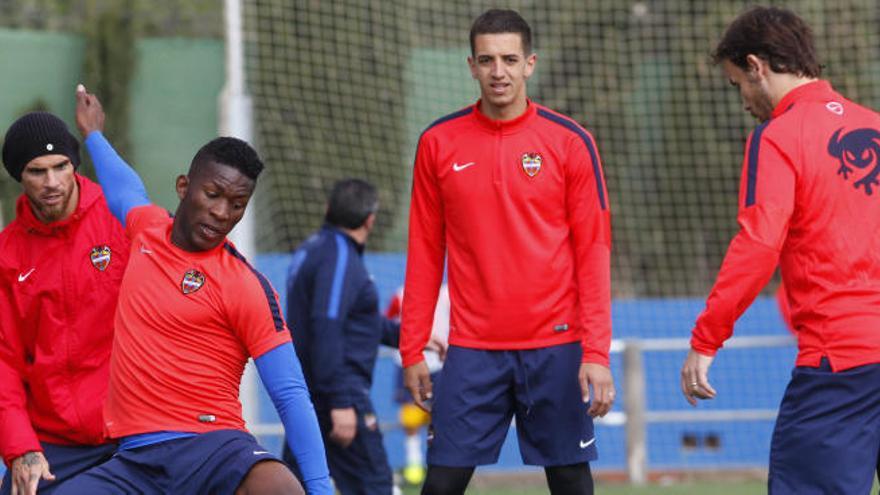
(701, 488)
(729, 487)
(685, 488)
(696, 488)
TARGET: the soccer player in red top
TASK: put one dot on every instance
(61, 263)
(512, 196)
(809, 201)
(191, 312)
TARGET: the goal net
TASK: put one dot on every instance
(344, 88)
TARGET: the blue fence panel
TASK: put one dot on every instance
(745, 379)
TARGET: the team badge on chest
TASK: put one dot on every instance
(531, 163)
(193, 280)
(100, 257)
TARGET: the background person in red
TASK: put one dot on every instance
(809, 201)
(191, 312)
(61, 263)
(511, 195)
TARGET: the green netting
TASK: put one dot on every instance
(344, 88)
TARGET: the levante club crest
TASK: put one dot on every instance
(193, 280)
(100, 257)
(531, 163)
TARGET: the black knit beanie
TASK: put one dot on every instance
(35, 135)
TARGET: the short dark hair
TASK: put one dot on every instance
(351, 202)
(229, 151)
(496, 21)
(773, 34)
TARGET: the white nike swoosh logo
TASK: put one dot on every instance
(23, 276)
(260, 452)
(458, 168)
(145, 250)
(584, 444)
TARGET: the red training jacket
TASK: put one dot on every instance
(809, 199)
(521, 210)
(59, 284)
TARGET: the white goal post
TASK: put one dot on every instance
(236, 121)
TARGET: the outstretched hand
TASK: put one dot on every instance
(89, 112)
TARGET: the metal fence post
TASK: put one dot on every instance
(634, 406)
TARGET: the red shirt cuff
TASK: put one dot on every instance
(18, 439)
(409, 360)
(596, 357)
(703, 348)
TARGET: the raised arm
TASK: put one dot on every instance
(122, 187)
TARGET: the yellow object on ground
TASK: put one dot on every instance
(412, 417)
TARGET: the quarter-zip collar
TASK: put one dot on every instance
(505, 126)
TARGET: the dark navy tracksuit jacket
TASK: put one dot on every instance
(333, 314)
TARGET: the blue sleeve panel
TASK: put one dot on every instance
(333, 313)
(331, 303)
(320, 311)
(123, 188)
(282, 376)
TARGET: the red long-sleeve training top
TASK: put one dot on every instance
(520, 210)
(810, 201)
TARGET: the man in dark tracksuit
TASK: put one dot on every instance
(333, 312)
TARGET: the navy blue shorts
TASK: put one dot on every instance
(65, 462)
(362, 467)
(210, 463)
(827, 434)
(478, 392)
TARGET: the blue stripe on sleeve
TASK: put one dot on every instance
(445, 118)
(123, 188)
(451, 116)
(281, 373)
(264, 283)
(594, 155)
(752, 178)
(338, 278)
(296, 262)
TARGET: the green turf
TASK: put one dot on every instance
(728, 488)
(702, 488)
(691, 488)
